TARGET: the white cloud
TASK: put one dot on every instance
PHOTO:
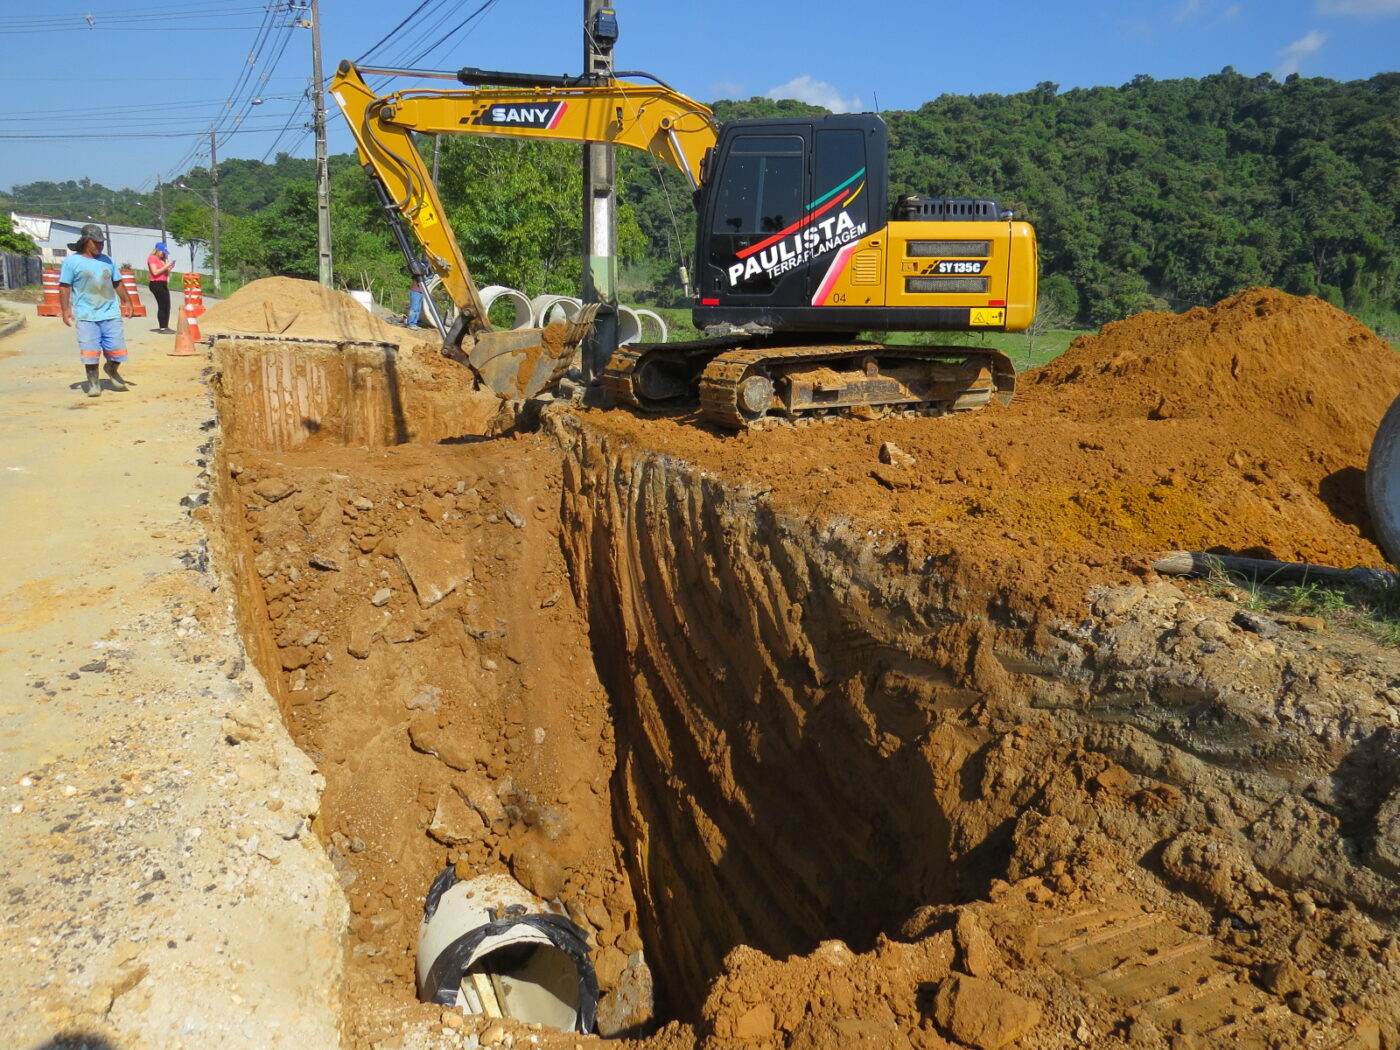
(1294, 53)
(1358, 7)
(815, 93)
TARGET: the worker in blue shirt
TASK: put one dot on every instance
(93, 300)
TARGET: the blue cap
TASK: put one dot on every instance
(160, 246)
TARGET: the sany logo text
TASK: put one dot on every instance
(543, 116)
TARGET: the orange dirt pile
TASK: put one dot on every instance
(1241, 428)
(299, 310)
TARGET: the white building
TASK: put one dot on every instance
(127, 245)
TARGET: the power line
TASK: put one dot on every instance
(478, 13)
(99, 112)
(105, 135)
(244, 90)
(384, 40)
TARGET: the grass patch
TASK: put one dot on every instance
(30, 293)
(1371, 609)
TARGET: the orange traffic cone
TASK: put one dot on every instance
(52, 305)
(194, 295)
(138, 308)
(192, 312)
(184, 345)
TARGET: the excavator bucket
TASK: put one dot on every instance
(525, 362)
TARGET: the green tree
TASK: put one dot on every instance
(11, 240)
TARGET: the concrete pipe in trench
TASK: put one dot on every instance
(488, 946)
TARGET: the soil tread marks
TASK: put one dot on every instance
(1147, 963)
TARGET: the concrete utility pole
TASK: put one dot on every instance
(214, 203)
(160, 195)
(599, 200)
(323, 175)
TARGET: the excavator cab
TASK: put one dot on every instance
(778, 203)
(795, 234)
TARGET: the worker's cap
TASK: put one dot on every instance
(90, 232)
(160, 246)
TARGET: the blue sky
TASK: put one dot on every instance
(126, 95)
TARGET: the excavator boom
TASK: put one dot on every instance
(649, 117)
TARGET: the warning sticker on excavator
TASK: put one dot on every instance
(427, 216)
(987, 316)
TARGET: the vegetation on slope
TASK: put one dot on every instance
(1152, 195)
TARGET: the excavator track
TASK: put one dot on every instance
(742, 386)
(655, 377)
(746, 388)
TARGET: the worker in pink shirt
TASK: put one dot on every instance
(158, 266)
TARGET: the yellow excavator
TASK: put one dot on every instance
(798, 251)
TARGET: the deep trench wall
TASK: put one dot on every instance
(775, 693)
(278, 395)
(817, 737)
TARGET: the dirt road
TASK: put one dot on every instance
(154, 873)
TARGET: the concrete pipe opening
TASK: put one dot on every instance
(551, 308)
(506, 307)
(629, 326)
(653, 325)
(489, 947)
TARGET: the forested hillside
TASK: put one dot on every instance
(1185, 190)
(1155, 194)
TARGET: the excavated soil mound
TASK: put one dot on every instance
(302, 366)
(297, 309)
(1242, 428)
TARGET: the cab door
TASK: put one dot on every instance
(839, 211)
(758, 190)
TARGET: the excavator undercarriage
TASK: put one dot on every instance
(740, 382)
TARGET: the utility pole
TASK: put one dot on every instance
(599, 200)
(160, 195)
(214, 202)
(323, 177)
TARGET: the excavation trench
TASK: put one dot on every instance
(724, 729)
(642, 693)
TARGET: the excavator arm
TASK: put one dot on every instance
(651, 117)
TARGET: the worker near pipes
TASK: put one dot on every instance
(415, 298)
(92, 299)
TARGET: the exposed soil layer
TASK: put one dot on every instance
(1242, 428)
(853, 752)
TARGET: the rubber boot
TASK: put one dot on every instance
(117, 382)
(93, 386)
